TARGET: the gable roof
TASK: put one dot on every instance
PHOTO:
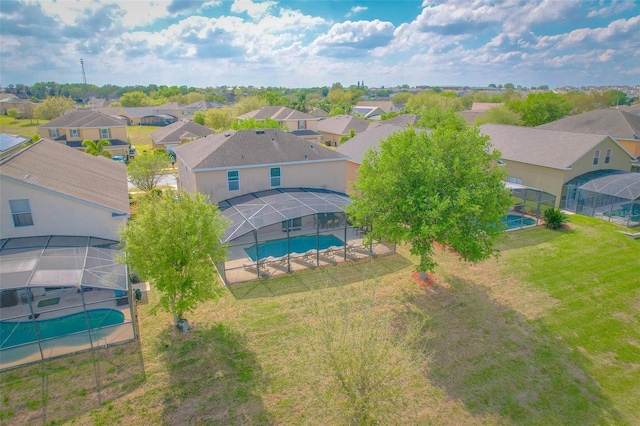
(549, 148)
(611, 121)
(342, 125)
(483, 106)
(176, 131)
(402, 120)
(251, 148)
(83, 118)
(57, 168)
(203, 105)
(356, 147)
(170, 105)
(279, 113)
(386, 106)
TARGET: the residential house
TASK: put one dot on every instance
(549, 160)
(386, 106)
(80, 124)
(403, 120)
(203, 105)
(143, 116)
(368, 112)
(11, 143)
(177, 133)
(356, 147)
(477, 109)
(51, 189)
(12, 101)
(334, 128)
(622, 125)
(299, 123)
(320, 113)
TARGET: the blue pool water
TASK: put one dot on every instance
(515, 221)
(18, 333)
(301, 244)
(631, 211)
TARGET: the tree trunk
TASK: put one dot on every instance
(172, 308)
(423, 275)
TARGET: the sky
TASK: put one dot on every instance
(311, 43)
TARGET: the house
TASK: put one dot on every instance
(403, 120)
(51, 189)
(290, 119)
(386, 106)
(623, 126)
(368, 112)
(556, 161)
(80, 124)
(12, 101)
(477, 109)
(356, 147)
(203, 105)
(143, 116)
(11, 143)
(60, 212)
(179, 132)
(320, 113)
(334, 128)
(282, 195)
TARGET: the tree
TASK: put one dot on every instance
(499, 115)
(436, 116)
(13, 113)
(97, 148)
(252, 123)
(145, 170)
(249, 103)
(541, 108)
(135, 99)
(219, 119)
(423, 188)
(199, 117)
(53, 107)
(172, 242)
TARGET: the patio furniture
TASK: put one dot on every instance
(329, 255)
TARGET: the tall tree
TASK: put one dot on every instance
(219, 119)
(145, 170)
(53, 107)
(13, 113)
(437, 116)
(134, 99)
(422, 188)
(251, 123)
(499, 115)
(541, 108)
(172, 241)
(97, 148)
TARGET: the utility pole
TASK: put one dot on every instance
(85, 98)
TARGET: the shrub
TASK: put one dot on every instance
(555, 218)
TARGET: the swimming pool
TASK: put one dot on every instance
(514, 221)
(19, 333)
(301, 244)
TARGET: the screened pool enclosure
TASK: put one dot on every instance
(288, 229)
(60, 295)
(528, 207)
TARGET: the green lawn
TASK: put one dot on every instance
(547, 334)
(140, 136)
(22, 127)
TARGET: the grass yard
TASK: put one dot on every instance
(22, 127)
(547, 334)
(140, 136)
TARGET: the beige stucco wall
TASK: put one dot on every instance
(92, 133)
(631, 145)
(620, 160)
(352, 175)
(331, 137)
(186, 179)
(293, 124)
(54, 214)
(327, 175)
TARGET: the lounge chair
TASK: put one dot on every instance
(307, 258)
(357, 251)
(277, 263)
(253, 267)
(329, 255)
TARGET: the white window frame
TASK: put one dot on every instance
(53, 133)
(607, 156)
(21, 212)
(103, 132)
(234, 181)
(596, 157)
(278, 182)
(75, 133)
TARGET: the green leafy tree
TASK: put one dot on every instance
(251, 123)
(437, 116)
(219, 119)
(541, 108)
(555, 218)
(53, 107)
(422, 188)
(248, 104)
(97, 148)
(499, 115)
(135, 99)
(13, 113)
(145, 170)
(172, 242)
(199, 117)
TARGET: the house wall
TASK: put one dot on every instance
(293, 124)
(352, 175)
(55, 214)
(631, 145)
(326, 175)
(331, 137)
(545, 178)
(92, 133)
(620, 160)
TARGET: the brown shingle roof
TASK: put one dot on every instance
(279, 113)
(402, 120)
(549, 148)
(173, 133)
(83, 118)
(251, 147)
(342, 125)
(57, 168)
(612, 121)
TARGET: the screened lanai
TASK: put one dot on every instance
(528, 205)
(287, 229)
(614, 197)
(61, 295)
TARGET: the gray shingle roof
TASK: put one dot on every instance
(83, 118)
(612, 121)
(251, 147)
(55, 167)
(543, 147)
(173, 133)
(279, 113)
(342, 125)
(402, 120)
(356, 147)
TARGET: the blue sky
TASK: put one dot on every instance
(307, 43)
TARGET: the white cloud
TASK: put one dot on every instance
(356, 9)
(254, 10)
(608, 8)
(353, 38)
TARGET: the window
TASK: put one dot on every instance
(74, 133)
(275, 176)
(607, 157)
(53, 133)
(21, 212)
(233, 180)
(104, 133)
(302, 124)
(514, 180)
(596, 157)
